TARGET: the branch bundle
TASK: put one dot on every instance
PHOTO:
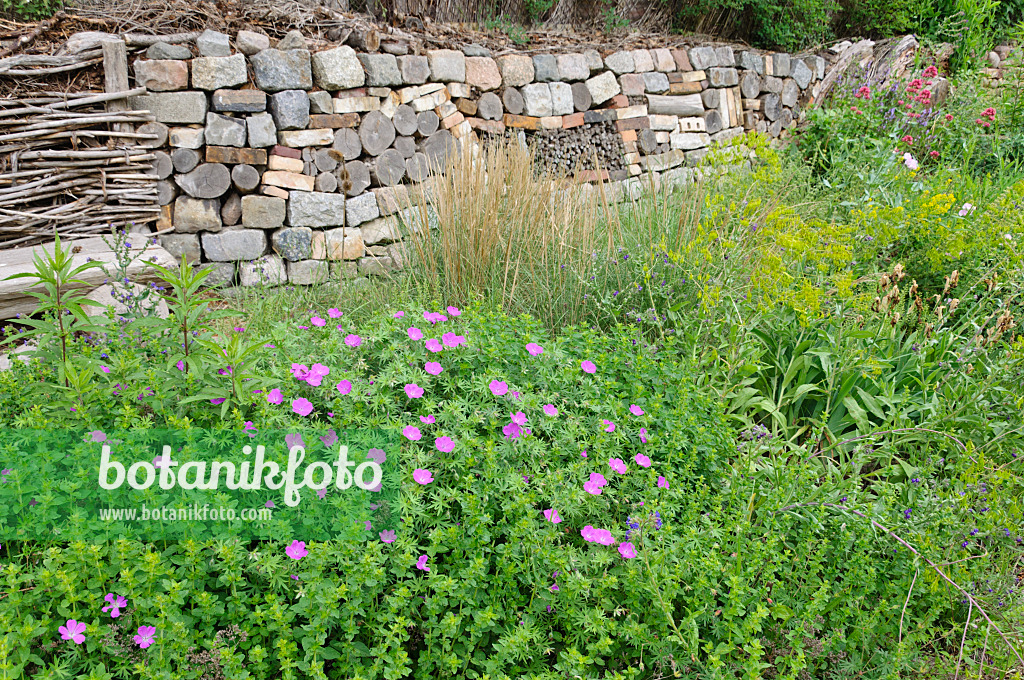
(66, 168)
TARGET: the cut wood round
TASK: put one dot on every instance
(417, 167)
(405, 146)
(166, 192)
(324, 161)
(404, 120)
(346, 142)
(185, 160)
(159, 129)
(750, 85)
(358, 178)
(163, 166)
(713, 122)
(389, 168)
(772, 106)
(513, 101)
(648, 141)
(489, 107)
(376, 133)
(245, 178)
(209, 180)
(427, 123)
(581, 97)
(326, 182)
(364, 40)
(437, 147)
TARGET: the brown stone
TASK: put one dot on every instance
(289, 180)
(684, 88)
(482, 73)
(572, 120)
(629, 135)
(619, 101)
(466, 106)
(235, 156)
(633, 124)
(285, 151)
(682, 60)
(334, 120)
(525, 122)
(494, 127)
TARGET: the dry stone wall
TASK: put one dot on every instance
(293, 162)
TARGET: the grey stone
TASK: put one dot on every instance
(315, 209)
(162, 50)
(250, 42)
(262, 212)
(186, 137)
(221, 274)
(362, 208)
(213, 44)
(561, 99)
(655, 82)
(182, 244)
(382, 229)
(214, 73)
(772, 84)
(277, 70)
(603, 87)
(399, 253)
(702, 58)
(572, 67)
(224, 131)
(680, 105)
(643, 61)
(781, 65)
(537, 99)
(411, 219)
(173, 107)
(447, 66)
(262, 131)
(620, 62)
(474, 50)
(113, 300)
(726, 57)
(374, 266)
(266, 271)
(234, 245)
(752, 61)
(594, 61)
(516, 70)
(308, 272)
(231, 210)
(790, 92)
(345, 270)
(801, 73)
(290, 109)
(545, 68)
(293, 243)
(292, 40)
(816, 64)
(338, 69)
(381, 69)
(195, 214)
(161, 75)
(321, 102)
(723, 77)
(415, 69)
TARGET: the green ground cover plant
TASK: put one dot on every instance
(765, 426)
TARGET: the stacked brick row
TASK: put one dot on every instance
(295, 162)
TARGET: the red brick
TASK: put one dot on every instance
(354, 92)
(592, 175)
(285, 151)
(629, 135)
(619, 101)
(572, 120)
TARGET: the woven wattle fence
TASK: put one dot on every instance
(73, 163)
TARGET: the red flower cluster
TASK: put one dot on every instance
(863, 93)
(989, 113)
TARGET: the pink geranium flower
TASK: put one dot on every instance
(433, 345)
(116, 604)
(353, 340)
(302, 406)
(592, 488)
(498, 388)
(618, 465)
(398, 315)
(334, 313)
(427, 420)
(421, 563)
(636, 410)
(627, 550)
(344, 387)
(550, 410)
(609, 426)
(274, 396)
(450, 339)
(662, 482)
(534, 349)
(144, 637)
(421, 476)
(454, 311)
(300, 371)
(318, 322)
(415, 333)
(551, 515)
(411, 433)
(433, 368)
(444, 444)
(388, 536)
(588, 366)
(297, 550)
(73, 631)
(413, 391)
(642, 460)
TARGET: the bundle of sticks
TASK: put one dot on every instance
(70, 166)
